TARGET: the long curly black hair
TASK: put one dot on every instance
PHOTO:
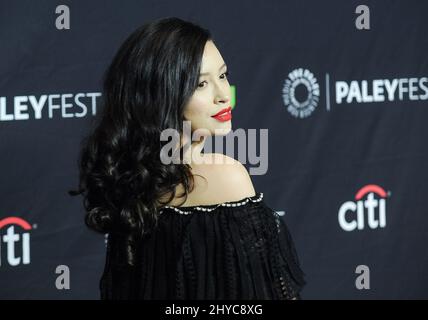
(145, 90)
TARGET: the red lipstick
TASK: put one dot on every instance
(223, 115)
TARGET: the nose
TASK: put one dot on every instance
(223, 94)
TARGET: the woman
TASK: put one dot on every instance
(186, 230)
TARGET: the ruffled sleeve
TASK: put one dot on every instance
(234, 250)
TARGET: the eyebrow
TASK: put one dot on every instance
(206, 73)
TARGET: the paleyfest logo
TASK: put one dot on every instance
(304, 104)
(301, 108)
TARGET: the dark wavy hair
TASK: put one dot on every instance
(145, 90)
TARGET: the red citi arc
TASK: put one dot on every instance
(224, 114)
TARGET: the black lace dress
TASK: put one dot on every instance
(233, 250)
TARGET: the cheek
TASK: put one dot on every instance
(197, 110)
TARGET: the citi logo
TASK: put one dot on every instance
(14, 242)
(360, 213)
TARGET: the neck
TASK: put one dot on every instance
(192, 153)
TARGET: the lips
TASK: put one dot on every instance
(223, 115)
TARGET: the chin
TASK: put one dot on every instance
(222, 131)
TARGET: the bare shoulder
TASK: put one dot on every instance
(220, 180)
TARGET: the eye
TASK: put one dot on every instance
(226, 74)
(199, 85)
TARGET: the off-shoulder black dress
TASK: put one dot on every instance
(233, 250)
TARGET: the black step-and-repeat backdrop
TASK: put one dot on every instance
(341, 88)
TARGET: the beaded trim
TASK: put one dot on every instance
(224, 204)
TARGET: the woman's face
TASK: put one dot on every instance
(211, 96)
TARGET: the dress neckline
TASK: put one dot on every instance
(210, 207)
